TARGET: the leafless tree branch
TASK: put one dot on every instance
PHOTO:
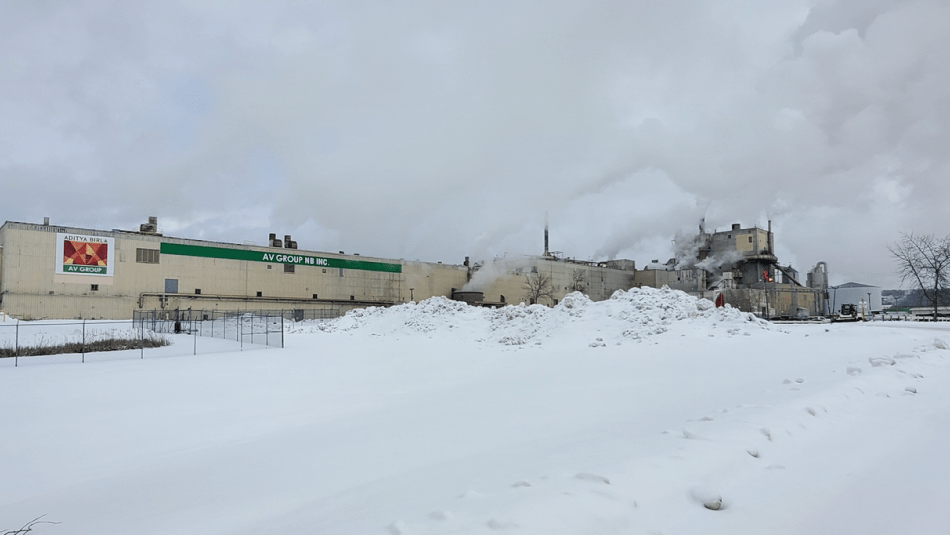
(924, 261)
(578, 280)
(537, 286)
(28, 527)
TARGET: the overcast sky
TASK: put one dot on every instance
(439, 130)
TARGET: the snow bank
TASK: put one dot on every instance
(633, 315)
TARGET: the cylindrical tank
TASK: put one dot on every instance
(472, 298)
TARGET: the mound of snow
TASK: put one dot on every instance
(635, 314)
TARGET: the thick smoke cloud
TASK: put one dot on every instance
(435, 131)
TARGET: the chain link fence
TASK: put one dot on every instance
(260, 327)
(147, 330)
(19, 339)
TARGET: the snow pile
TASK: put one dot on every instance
(416, 419)
(430, 315)
(628, 315)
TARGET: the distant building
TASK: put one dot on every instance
(855, 293)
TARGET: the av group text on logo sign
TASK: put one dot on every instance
(78, 254)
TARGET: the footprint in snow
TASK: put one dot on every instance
(587, 476)
(441, 515)
(881, 361)
(501, 525)
(708, 497)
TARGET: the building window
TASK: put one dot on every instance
(750, 239)
(352, 298)
(146, 256)
(260, 294)
(197, 291)
(314, 296)
(324, 270)
(289, 268)
(269, 266)
(95, 288)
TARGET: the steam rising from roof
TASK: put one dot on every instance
(411, 132)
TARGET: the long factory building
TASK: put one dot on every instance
(58, 272)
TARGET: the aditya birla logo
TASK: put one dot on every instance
(83, 253)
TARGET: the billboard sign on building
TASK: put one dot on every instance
(78, 254)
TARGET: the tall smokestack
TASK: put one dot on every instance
(546, 251)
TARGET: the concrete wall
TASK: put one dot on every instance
(688, 280)
(775, 300)
(503, 280)
(750, 241)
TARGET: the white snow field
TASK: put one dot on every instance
(649, 413)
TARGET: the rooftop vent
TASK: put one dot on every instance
(273, 241)
(151, 227)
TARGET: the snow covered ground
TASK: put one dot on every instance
(641, 414)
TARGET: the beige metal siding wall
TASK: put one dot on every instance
(33, 290)
(282, 290)
(225, 284)
(430, 280)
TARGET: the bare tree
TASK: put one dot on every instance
(537, 286)
(924, 260)
(578, 278)
(28, 527)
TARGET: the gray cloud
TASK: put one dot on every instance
(434, 131)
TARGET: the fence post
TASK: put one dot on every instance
(281, 331)
(16, 345)
(142, 340)
(84, 341)
(240, 329)
(196, 339)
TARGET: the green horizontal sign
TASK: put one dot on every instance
(276, 256)
(94, 270)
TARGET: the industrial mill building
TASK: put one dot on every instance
(58, 272)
